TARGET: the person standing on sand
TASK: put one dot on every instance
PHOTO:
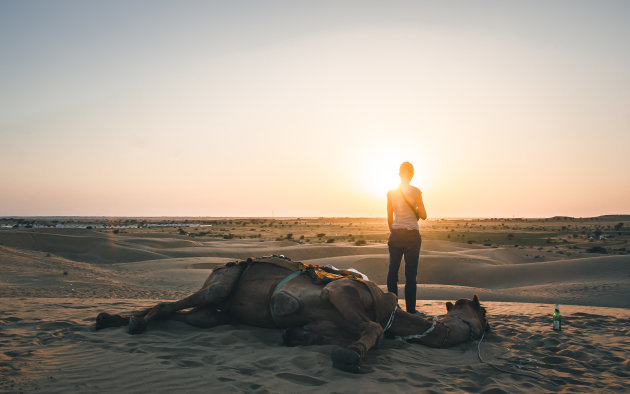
(404, 209)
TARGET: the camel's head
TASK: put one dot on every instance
(473, 308)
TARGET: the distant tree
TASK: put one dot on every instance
(618, 226)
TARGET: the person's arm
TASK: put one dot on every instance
(421, 210)
(390, 213)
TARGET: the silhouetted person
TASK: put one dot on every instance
(404, 209)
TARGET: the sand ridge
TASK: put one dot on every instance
(53, 285)
(59, 351)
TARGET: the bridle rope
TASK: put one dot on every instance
(424, 334)
(500, 369)
(390, 321)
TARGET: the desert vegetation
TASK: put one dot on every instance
(562, 235)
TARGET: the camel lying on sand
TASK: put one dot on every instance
(314, 305)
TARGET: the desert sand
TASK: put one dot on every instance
(53, 283)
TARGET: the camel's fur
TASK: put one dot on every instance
(343, 311)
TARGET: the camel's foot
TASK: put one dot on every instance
(105, 320)
(136, 325)
(348, 360)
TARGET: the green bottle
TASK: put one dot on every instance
(557, 319)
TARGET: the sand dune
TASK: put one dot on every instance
(58, 351)
(85, 245)
(53, 284)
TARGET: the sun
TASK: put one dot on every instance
(380, 176)
(377, 165)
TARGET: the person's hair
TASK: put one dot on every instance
(406, 168)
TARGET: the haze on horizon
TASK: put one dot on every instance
(306, 109)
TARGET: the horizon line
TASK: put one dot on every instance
(9, 217)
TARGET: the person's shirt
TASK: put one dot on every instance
(404, 216)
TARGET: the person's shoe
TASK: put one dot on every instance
(417, 313)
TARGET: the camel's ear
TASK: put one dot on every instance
(449, 306)
(476, 300)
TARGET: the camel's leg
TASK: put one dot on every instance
(215, 290)
(353, 303)
(105, 320)
(203, 317)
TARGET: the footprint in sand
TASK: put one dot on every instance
(554, 360)
(300, 379)
(57, 325)
(188, 364)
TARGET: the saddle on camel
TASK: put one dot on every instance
(314, 305)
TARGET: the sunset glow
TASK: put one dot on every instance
(219, 109)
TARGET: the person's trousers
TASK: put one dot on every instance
(404, 243)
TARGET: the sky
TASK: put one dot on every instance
(302, 109)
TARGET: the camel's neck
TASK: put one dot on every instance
(405, 324)
(449, 330)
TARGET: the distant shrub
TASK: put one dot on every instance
(116, 231)
(597, 249)
(181, 231)
(470, 242)
(290, 236)
(321, 235)
(228, 236)
(330, 240)
(360, 242)
(301, 237)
